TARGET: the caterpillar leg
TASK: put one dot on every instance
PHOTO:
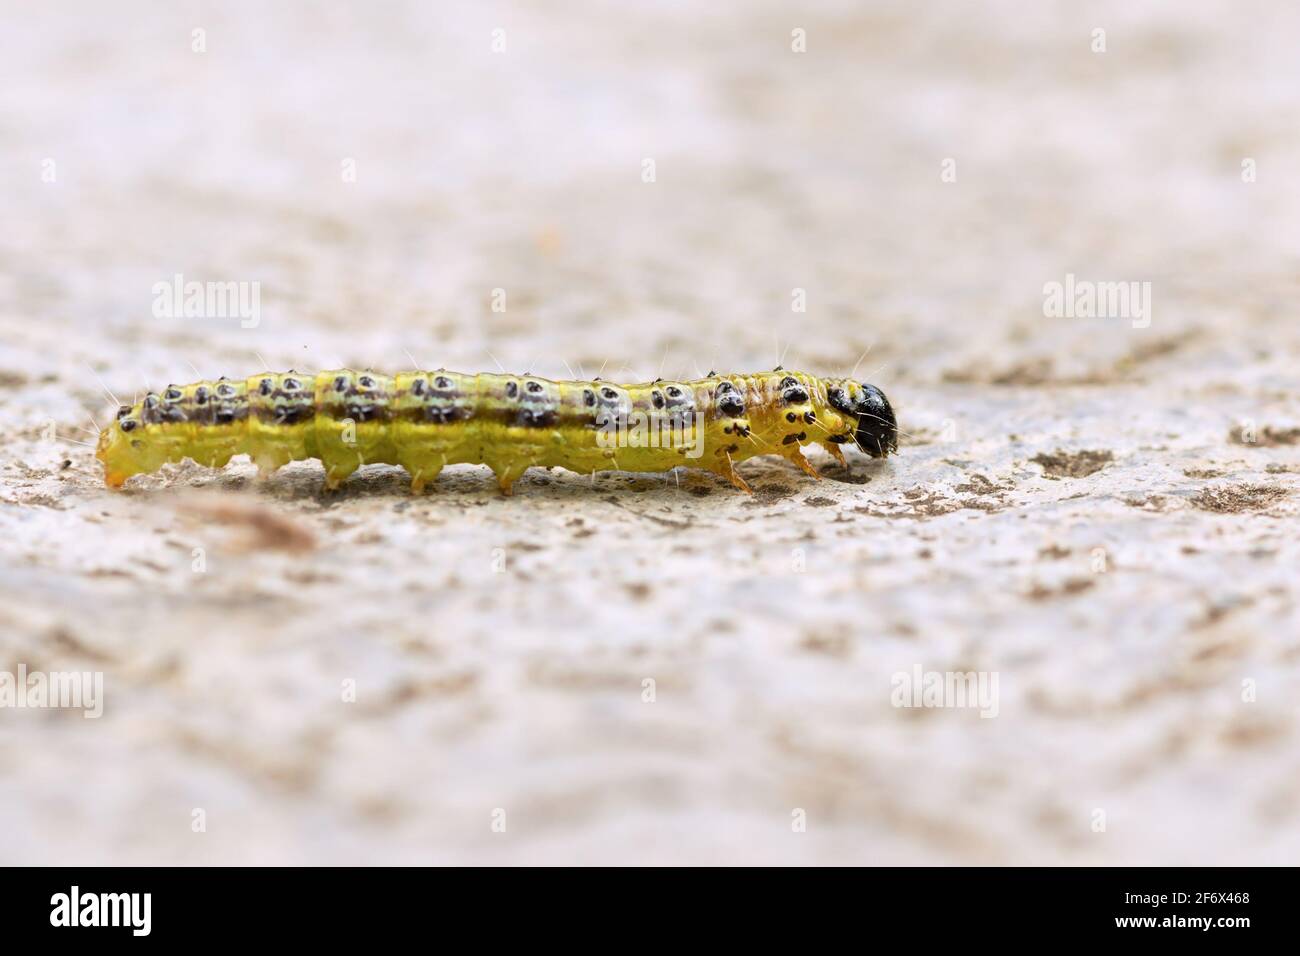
(418, 480)
(336, 474)
(422, 472)
(836, 452)
(729, 472)
(269, 464)
(797, 456)
(507, 475)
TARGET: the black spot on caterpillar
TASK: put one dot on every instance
(425, 421)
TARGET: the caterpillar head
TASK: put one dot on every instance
(124, 450)
(876, 432)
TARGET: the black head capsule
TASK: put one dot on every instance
(877, 428)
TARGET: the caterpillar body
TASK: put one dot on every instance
(424, 421)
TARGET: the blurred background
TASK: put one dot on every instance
(1101, 512)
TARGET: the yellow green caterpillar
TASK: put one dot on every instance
(425, 421)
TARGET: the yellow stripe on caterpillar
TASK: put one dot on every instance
(424, 421)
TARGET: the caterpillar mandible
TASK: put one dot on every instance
(424, 421)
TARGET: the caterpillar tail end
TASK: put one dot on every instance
(110, 456)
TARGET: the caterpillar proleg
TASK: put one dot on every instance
(424, 421)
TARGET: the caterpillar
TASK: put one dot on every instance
(424, 421)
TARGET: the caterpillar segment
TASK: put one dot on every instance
(424, 421)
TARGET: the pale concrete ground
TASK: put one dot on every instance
(499, 646)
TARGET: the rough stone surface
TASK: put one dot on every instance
(1076, 507)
